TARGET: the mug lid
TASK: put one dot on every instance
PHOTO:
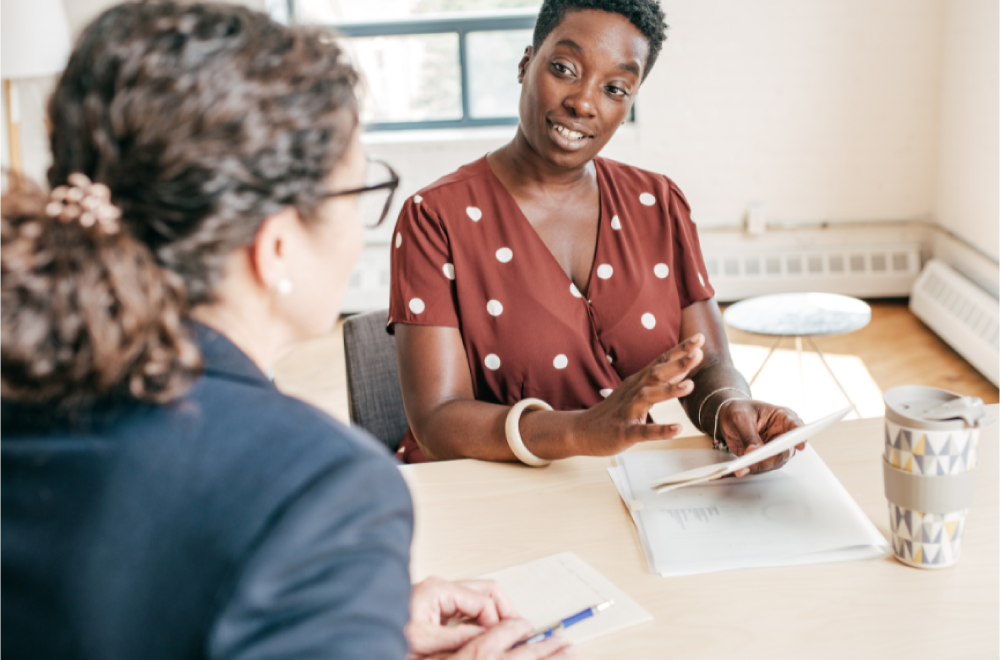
(931, 408)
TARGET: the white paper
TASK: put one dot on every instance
(799, 514)
(722, 467)
(548, 590)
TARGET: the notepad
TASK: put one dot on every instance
(547, 590)
(797, 515)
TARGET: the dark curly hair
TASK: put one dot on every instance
(645, 15)
(202, 120)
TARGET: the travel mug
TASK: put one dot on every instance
(931, 437)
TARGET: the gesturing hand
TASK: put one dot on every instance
(619, 421)
(746, 424)
(475, 619)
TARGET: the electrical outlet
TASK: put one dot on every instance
(756, 220)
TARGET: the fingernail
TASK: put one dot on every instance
(675, 427)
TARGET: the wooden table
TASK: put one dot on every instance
(475, 517)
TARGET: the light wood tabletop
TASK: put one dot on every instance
(474, 517)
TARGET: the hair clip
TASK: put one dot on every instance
(87, 202)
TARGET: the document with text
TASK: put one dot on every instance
(800, 514)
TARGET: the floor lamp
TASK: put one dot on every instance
(34, 42)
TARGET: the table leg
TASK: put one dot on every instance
(761, 367)
(834, 376)
(802, 372)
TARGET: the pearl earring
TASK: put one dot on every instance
(284, 286)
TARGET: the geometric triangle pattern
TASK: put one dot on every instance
(936, 453)
(926, 540)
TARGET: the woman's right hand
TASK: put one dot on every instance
(496, 643)
(619, 421)
(474, 620)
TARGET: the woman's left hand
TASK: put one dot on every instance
(747, 424)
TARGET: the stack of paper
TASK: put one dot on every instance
(799, 514)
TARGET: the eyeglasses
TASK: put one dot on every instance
(376, 194)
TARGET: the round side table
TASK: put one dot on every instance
(802, 316)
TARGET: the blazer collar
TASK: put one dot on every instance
(223, 359)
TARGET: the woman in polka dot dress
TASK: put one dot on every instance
(543, 271)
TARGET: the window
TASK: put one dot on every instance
(429, 63)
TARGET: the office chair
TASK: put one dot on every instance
(373, 393)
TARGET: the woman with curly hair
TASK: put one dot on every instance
(544, 277)
(161, 499)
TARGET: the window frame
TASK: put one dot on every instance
(460, 24)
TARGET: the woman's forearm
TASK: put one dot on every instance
(717, 379)
(713, 385)
(464, 428)
(448, 422)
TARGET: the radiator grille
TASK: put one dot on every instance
(892, 261)
(962, 314)
(869, 271)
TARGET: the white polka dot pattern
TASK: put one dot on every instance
(399, 239)
(417, 199)
(604, 271)
(494, 308)
(646, 199)
(648, 321)
(701, 279)
(606, 393)
(610, 359)
(575, 291)
(416, 305)
(560, 362)
(616, 224)
(474, 213)
(449, 271)
(492, 362)
(661, 270)
(504, 255)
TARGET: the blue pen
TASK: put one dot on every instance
(567, 622)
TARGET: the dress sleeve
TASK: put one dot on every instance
(423, 271)
(329, 577)
(692, 276)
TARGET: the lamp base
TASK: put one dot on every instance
(13, 110)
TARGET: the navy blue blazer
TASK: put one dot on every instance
(235, 522)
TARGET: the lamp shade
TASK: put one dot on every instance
(34, 38)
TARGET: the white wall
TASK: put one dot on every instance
(968, 184)
(824, 110)
(821, 109)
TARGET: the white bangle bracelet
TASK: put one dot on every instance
(513, 430)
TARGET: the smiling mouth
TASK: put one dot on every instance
(569, 133)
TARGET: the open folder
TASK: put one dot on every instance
(799, 514)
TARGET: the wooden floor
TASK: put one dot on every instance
(896, 349)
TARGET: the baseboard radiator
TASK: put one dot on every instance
(961, 313)
(865, 271)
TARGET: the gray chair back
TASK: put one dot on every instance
(373, 393)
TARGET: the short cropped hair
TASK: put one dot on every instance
(645, 15)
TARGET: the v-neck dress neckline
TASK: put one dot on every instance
(530, 229)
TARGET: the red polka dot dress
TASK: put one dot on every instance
(464, 256)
